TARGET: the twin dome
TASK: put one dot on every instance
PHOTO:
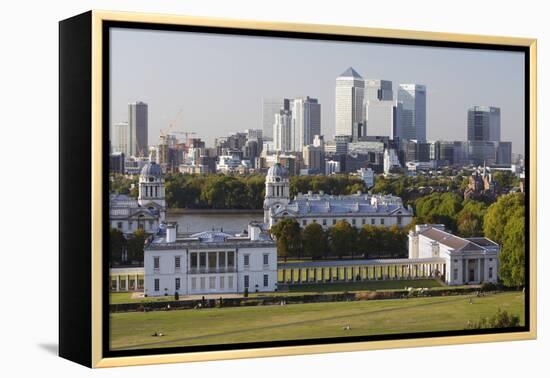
(277, 170)
(151, 170)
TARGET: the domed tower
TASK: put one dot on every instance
(277, 190)
(151, 189)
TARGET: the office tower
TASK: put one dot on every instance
(342, 142)
(282, 131)
(413, 113)
(120, 138)
(484, 123)
(381, 118)
(138, 128)
(271, 107)
(306, 121)
(350, 88)
(313, 158)
(379, 90)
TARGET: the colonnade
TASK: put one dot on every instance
(343, 273)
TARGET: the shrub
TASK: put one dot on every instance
(489, 286)
(502, 319)
(176, 296)
(245, 292)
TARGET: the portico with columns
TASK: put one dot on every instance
(360, 270)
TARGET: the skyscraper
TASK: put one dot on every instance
(306, 121)
(138, 128)
(270, 107)
(282, 131)
(413, 113)
(376, 89)
(484, 123)
(120, 138)
(350, 88)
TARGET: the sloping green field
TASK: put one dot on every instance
(305, 321)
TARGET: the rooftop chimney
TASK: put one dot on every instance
(170, 233)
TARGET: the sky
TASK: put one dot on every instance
(218, 81)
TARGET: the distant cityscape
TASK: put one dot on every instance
(378, 130)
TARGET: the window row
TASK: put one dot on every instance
(354, 221)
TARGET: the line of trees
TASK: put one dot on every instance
(339, 241)
(128, 250)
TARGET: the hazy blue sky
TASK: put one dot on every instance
(219, 80)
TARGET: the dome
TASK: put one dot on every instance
(277, 170)
(151, 169)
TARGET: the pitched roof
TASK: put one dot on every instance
(449, 240)
(350, 72)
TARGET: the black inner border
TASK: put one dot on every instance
(107, 25)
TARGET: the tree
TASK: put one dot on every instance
(498, 215)
(342, 239)
(288, 238)
(439, 208)
(505, 180)
(117, 244)
(314, 241)
(512, 255)
(136, 243)
(470, 219)
(366, 241)
(504, 223)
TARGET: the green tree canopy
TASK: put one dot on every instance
(512, 255)
(343, 237)
(470, 218)
(288, 237)
(314, 241)
(498, 215)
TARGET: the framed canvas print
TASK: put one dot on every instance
(234, 189)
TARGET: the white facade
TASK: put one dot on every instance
(306, 122)
(211, 262)
(148, 211)
(357, 209)
(228, 163)
(350, 88)
(467, 260)
(380, 118)
(332, 167)
(283, 132)
(391, 160)
(120, 138)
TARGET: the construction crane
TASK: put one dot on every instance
(172, 124)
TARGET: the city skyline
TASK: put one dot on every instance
(230, 92)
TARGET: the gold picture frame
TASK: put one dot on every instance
(94, 21)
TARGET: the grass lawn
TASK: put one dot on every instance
(364, 285)
(305, 321)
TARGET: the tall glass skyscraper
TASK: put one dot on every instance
(350, 92)
(138, 128)
(484, 123)
(413, 113)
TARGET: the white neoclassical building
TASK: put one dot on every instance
(357, 209)
(210, 262)
(467, 260)
(147, 212)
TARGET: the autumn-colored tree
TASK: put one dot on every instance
(288, 238)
